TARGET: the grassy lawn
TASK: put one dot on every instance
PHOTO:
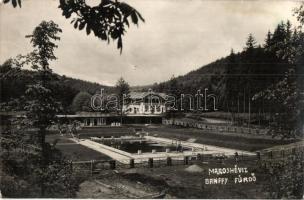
(77, 152)
(74, 151)
(56, 137)
(237, 141)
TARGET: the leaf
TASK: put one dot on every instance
(76, 24)
(19, 3)
(68, 14)
(88, 29)
(127, 22)
(108, 20)
(81, 26)
(139, 15)
(119, 44)
(103, 36)
(14, 2)
(134, 17)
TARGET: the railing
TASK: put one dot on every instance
(96, 166)
(263, 158)
(212, 127)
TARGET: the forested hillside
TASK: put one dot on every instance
(84, 86)
(238, 77)
(64, 88)
(234, 79)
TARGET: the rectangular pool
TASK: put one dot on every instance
(144, 146)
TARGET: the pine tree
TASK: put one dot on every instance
(122, 90)
(250, 43)
(288, 93)
(288, 30)
(268, 42)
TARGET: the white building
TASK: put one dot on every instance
(145, 103)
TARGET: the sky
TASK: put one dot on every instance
(178, 36)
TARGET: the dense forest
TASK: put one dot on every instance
(238, 77)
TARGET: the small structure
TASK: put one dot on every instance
(87, 119)
(97, 119)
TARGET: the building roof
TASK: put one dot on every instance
(87, 114)
(98, 114)
(141, 95)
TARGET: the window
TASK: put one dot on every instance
(146, 108)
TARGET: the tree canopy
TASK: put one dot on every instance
(107, 21)
(45, 169)
(122, 90)
(81, 102)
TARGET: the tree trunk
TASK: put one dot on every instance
(121, 115)
(43, 163)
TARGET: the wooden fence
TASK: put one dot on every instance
(95, 166)
(264, 158)
(212, 127)
(280, 155)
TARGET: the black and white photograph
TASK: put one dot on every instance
(152, 99)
